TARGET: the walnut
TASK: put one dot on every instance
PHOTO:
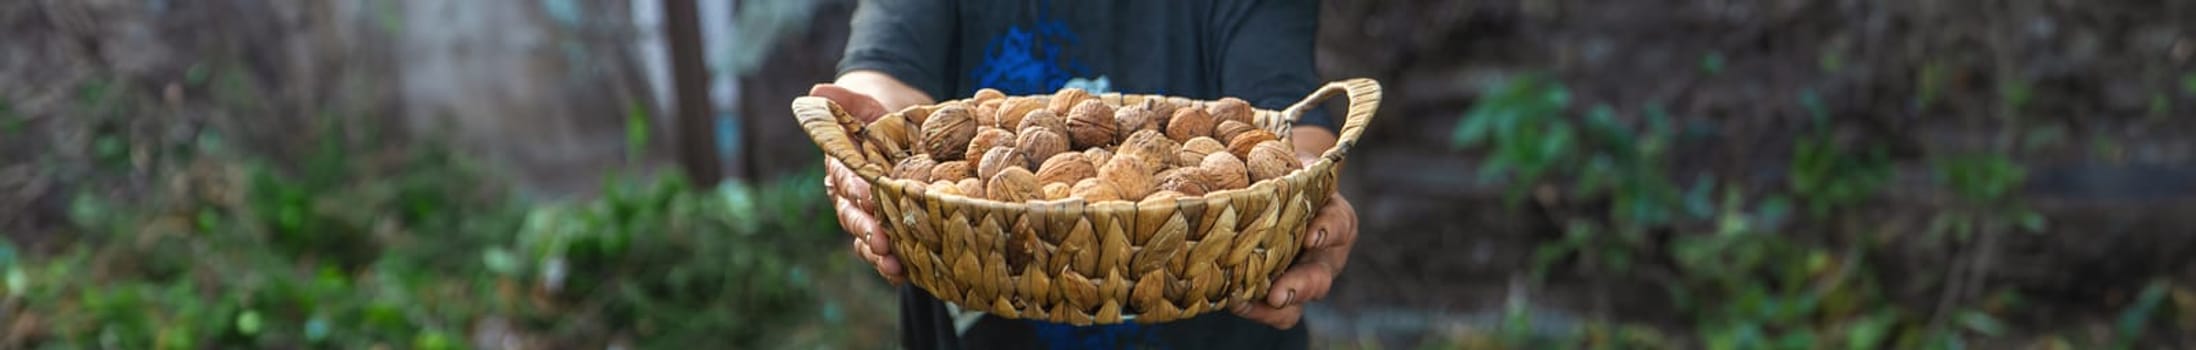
(952, 171)
(1224, 171)
(1152, 147)
(1194, 151)
(1058, 191)
(1133, 118)
(1040, 143)
(971, 187)
(1091, 124)
(1187, 181)
(1066, 99)
(946, 134)
(1066, 168)
(1241, 144)
(915, 167)
(1000, 158)
(1041, 117)
(986, 139)
(1094, 190)
(1190, 123)
(1013, 185)
(916, 115)
(1160, 107)
(1230, 108)
(1014, 110)
(1098, 156)
(889, 135)
(1272, 159)
(1128, 175)
(984, 111)
(987, 94)
(1228, 130)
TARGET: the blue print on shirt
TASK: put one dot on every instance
(1030, 60)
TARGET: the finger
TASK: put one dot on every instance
(1282, 317)
(1335, 226)
(885, 264)
(878, 240)
(862, 107)
(852, 218)
(1304, 282)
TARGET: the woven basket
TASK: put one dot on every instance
(1083, 263)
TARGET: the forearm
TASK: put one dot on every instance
(889, 91)
(1311, 141)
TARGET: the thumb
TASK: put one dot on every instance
(860, 105)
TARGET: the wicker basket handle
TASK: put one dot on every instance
(1364, 97)
(829, 125)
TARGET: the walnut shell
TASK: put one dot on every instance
(916, 115)
(1000, 158)
(1094, 190)
(1091, 124)
(1160, 107)
(1041, 117)
(946, 134)
(1271, 159)
(1128, 175)
(987, 94)
(1013, 185)
(1190, 123)
(952, 171)
(1133, 118)
(1014, 110)
(1040, 143)
(1058, 191)
(986, 139)
(1194, 151)
(1155, 149)
(1228, 130)
(1098, 156)
(1066, 168)
(1230, 108)
(1066, 99)
(971, 187)
(984, 112)
(915, 167)
(890, 135)
(1225, 172)
(1187, 181)
(1241, 145)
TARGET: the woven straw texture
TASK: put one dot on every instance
(1109, 262)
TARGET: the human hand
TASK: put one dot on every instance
(850, 194)
(1326, 251)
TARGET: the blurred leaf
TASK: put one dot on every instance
(1982, 323)
(2139, 314)
(1712, 63)
(2030, 220)
(249, 323)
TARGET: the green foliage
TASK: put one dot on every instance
(1522, 127)
(339, 252)
(1829, 176)
(1746, 272)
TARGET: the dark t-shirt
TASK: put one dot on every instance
(1260, 51)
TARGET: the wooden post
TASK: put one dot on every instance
(697, 133)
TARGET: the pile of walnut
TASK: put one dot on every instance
(1073, 145)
